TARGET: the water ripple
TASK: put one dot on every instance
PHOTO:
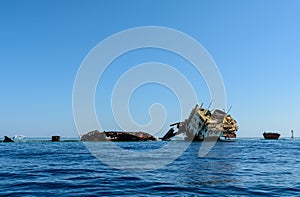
(244, 167)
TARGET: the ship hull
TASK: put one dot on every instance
(271, 136)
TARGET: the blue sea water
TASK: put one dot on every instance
(247, 167)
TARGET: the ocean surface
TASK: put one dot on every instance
(246, 167)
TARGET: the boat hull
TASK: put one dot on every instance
(271, 136)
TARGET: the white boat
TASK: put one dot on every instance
(19, 138)
(226, 139)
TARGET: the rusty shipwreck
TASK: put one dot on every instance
(204, 123)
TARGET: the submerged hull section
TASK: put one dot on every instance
(271, 135)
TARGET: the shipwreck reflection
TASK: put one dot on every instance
(217, 167)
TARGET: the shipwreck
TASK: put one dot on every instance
(97, 136)
(271, 135)
(203, 123)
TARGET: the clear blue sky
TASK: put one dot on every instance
(256, 45)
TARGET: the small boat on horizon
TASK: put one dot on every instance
(271, 135)
(19, 138)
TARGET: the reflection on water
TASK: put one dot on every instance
(216, 167)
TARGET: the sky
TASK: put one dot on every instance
(254, 43)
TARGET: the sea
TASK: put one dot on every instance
(245, 167)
